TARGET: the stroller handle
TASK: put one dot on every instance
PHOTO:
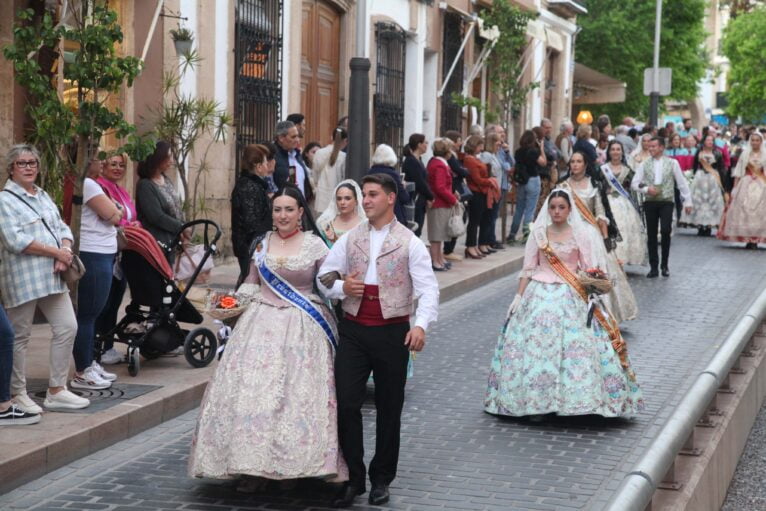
(206, 240)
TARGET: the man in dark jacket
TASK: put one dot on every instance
(289, 157)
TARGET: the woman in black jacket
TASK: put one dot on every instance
(415, 172)
(250, 204)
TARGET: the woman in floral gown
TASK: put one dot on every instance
(707, 189)
(548, 359)
(270, 410)
(632, 249)
(745, 216)
(590, 199)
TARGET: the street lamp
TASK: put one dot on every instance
(584, 117)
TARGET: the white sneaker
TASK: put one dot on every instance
(105, 375)
(25, 403)
(64, 400)
(90, 380)
(111, 357)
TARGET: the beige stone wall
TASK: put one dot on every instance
(11, 94)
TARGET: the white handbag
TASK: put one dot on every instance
(455, 225)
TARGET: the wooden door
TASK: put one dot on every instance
(320, 69)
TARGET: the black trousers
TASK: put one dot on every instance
(421, 204)
(658, 213)
(379, 349)
(477, 205)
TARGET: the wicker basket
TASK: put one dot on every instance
(224, 314)
(594, 285)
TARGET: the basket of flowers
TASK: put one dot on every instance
(595, 281)
(225, 306)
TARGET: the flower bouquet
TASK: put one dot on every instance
(224, 306)
(595, 281)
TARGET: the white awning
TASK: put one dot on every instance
(591, 86)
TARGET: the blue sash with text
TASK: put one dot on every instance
(616, 184)
(293, 296)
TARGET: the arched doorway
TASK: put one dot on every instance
(320, 69)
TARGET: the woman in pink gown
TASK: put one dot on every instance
(744, 219)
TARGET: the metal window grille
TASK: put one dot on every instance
(258, 79)
(451, 114)
(389, 85)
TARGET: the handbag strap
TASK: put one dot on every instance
(38, 214)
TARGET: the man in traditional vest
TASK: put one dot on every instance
(655, 178)
(377, 269)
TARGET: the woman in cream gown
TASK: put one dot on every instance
(745, 217)
(591, 192)
(633, 248)
(270, 411)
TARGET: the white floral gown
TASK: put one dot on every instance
(633, 247)
(270, 409)
(707, 197)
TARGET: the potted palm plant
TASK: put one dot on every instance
(182, 39)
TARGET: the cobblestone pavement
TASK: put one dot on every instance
(453, 455)
(747, 490)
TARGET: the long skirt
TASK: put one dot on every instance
(707, 199)
(745, 216)
(549, 360)
(270, 409)
(620, 301)
(633, 248)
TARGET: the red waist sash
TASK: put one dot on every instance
(370, 313)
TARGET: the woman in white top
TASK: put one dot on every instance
(328, 169)
(98, 250)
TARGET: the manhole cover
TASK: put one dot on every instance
(99, 399)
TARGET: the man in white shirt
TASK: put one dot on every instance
(385, 267)
(655, 178)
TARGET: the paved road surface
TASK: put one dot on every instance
(453, 455)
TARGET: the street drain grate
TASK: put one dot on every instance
(99, 399)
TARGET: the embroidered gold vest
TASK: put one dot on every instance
(667, 187)
(392, 268)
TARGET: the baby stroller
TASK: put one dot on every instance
(151, 323)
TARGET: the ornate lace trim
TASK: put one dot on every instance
(312, 249)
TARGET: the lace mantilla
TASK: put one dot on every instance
(313, 248)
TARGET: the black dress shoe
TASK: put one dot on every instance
(498, 246)
(346, 496)
(665, 272)
(653, 274)
(379, 494)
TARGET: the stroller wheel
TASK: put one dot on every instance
(134, 361)
(200, 347)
